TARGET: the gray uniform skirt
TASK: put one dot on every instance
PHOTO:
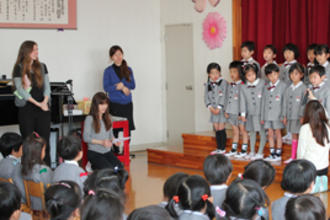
(233, 120)
(293, 126)
(253, 123)
(219, 118)
(274, 124)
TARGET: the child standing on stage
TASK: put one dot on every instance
(247, 51)
(250, 107)
(319, 90)
(232, 111)
(271, 116)
(293, 107)
(269, 55)
(214, 97)
(290, 53)
(322, 56)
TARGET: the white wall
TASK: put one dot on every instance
(82, 55)
(182, 11)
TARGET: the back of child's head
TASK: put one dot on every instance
(172, 183)
(292, 47)
(193, 194)
(101, 205)
(272, 67)
(250, 45)
(10, 200)
(244, 198)
(9, 142)
(270, 47)
(62, 199)
(260, 171)
(152, 212)
(311, 47)
(321, 49)
(297, 66)
(33, 146)
(316, 117)
(251, 67)
(217, 169)
(212, 66)
(69, 147)
(111, 179)
(305, 207)
(319, 69)
(298, 176)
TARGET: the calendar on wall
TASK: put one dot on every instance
(38, 14)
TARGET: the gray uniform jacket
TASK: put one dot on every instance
(216, 97)
(10, 167)
(284, 72)
(272, 101)
(250, 98)
(293, 108)
(232, 99)
(327, 69)
(39, 173)
(72, 172)
(193, 215)
(219, 194)
(323, 95)
(278, 208)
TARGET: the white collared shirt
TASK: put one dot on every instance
(325, 64)
(293, 87)
(291, 62)
(254, 83)
(71, 162)
(218, 187)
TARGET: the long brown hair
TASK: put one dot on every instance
(316, 117)
(32, 149)
(24, 59)
(124, 71)
(100, 98)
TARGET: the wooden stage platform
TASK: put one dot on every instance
(196, 147)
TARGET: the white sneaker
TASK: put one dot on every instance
(288, 160)
(218, 151)
(287, 137)
(249, 156)
(240, 155)
(257, 157)
(231, 153)
(271, 158)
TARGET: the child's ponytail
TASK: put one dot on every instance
(171, 206)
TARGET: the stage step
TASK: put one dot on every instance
(196, 147)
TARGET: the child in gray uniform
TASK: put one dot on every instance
(70, 150)
(63, 200)
(271, 115)
(232, 110)
(290, 53)
(305, 207)
(193, 198)
(269, 56)
(247, 51)
(10, 166)
(244, 200)
(322, 56)
(217, 171)
(319, 89)
(215, 98)
(298, 178)
(250, 107)
(293, 106)
(33, 167)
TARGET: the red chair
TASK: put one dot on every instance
(124, 157)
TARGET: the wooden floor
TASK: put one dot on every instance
(146, 181)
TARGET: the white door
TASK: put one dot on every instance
(180, 78)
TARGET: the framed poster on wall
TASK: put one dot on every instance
(38, 14)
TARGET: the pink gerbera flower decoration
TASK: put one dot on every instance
(214, 30)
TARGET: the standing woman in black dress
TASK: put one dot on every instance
(32, 92)
(118, 82)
